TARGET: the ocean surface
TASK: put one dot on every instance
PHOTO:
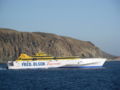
(106, 78)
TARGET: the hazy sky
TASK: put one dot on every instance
(97, 21)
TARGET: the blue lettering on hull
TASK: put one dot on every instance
(33, 64)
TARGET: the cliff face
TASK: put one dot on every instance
(12, 43)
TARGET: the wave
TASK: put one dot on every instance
(3, 68)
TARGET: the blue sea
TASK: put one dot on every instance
(106, 78)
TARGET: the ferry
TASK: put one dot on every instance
(42, 60)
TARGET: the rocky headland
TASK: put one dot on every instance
(117, 58)
(13, 43)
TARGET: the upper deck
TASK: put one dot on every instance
(43, 56)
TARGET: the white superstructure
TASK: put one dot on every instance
(82, 63)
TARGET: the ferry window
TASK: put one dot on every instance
(34, 59)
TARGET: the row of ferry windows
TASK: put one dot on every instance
(44, 58)
(35, 58)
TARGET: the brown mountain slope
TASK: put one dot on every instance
(12, 43)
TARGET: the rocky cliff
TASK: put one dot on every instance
(12, 43)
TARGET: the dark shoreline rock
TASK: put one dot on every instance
(12, 43)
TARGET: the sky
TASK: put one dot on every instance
(97, 21)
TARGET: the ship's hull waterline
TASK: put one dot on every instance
(81, 63)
